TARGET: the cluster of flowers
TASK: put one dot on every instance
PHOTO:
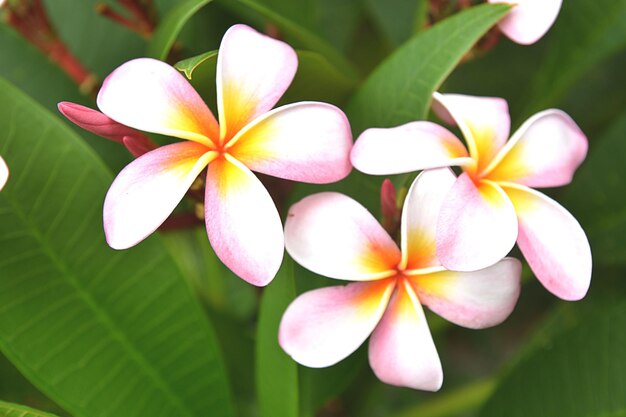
(455, 231)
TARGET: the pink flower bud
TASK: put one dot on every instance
(96, 122)
(138, 145)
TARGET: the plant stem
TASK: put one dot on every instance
(465, 398)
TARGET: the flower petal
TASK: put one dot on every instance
(419, 217)
(484, 121)
(323, 326)
(4, 173)
(552, 242)
(150, 95)
(146, 192)
(402, 351)
(477, 226)
(544, 152)
(333, 235)
(242, 222)
(410, 147)
(529, 20)
(307, 142)
(477, 299)
(253, 72)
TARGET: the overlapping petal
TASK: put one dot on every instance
(242, 222)
(419, 218)
(476, 299)
(552, 242)
(484, 121)
(544, 152)
(529, 20)
(305, 141)
(333, 235)
(148, 189)
(323, 326)
(4, 173)
(477, 225)
(410, 147)
(150, 95)
(253, 72)
(401, 350)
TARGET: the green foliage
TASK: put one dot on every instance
(171, 26)
(276, 373)
(400, 89)
(15, 410)
(577, 372)
(102, 333)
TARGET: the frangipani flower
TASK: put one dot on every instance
(4, 173)
(305, 141)
(334, 236)
(528, 20)
(491, 205)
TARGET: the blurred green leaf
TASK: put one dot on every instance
(304, 37)
(189, 65)
(585, 34)
(14, 410)
(400, 89)
(33, 73)
(276, 372)
(318, 80)
(218, 287)
(102, 333)
(100, 44)
(596, 196)
(397, 19)
(170, 26)
(578, 372)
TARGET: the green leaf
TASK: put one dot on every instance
(305, 38)
(189, 65)
(102, 333)
(14, 410)
(400, 89)
(37, 76)
(276, 373)
(596, 196)
(170, 26)
(578, 372)
(600, 29)
(397, 19)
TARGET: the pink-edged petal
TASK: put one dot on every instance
(242, 222)
(477, 299)
(150, 95)
(552, 242)
(308, 142)
(4, 173)
(96, 122)
(333, 235)
(528, 20)
(410, 147)
(146, 192)
(544, 152)
(323, 326)
(253, 72)
(477, 225)
(401, 350)
(419, 217)
(484, 121)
